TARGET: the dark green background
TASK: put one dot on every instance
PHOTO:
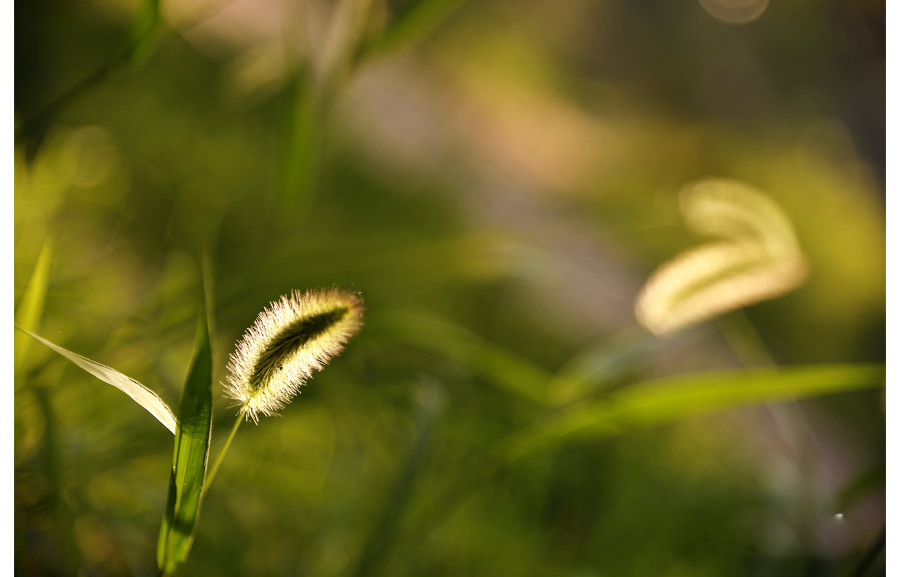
(497, 187)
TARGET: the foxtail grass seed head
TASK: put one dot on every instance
(291, 338)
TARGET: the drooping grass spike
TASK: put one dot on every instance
(291, 338)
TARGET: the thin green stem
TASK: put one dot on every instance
(218, 463)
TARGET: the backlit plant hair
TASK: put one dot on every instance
(292, 338)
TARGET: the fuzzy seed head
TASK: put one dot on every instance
(291, 338)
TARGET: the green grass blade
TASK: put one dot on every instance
(409, 26)
(190, 456)
(385, 530)
(51, 462)
(501, 367)
(141, 40)
(674, 398)
(304, 143)
(138, 392)
(31, 307)
(611, 363)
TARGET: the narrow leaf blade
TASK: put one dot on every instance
(410, 26)
(502, 368)
(190, 456)
(31, 307)
(671, 399)
(142, 36)
(138, 392)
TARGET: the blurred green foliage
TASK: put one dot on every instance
(497, 178)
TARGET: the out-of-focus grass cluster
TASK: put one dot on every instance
(498, 179)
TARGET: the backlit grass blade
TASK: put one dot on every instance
(138, 392)
(28, 314)
(190, 456)
(674, 398)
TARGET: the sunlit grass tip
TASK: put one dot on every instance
(291, 338)
(756, 257)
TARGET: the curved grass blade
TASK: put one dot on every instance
(190, 457)
(602, 366)
(501, 367)
(138, 392)
(31, 307)
(141, 40)
(413, 23)
(674, 398)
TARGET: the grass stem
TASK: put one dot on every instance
(218, 463)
